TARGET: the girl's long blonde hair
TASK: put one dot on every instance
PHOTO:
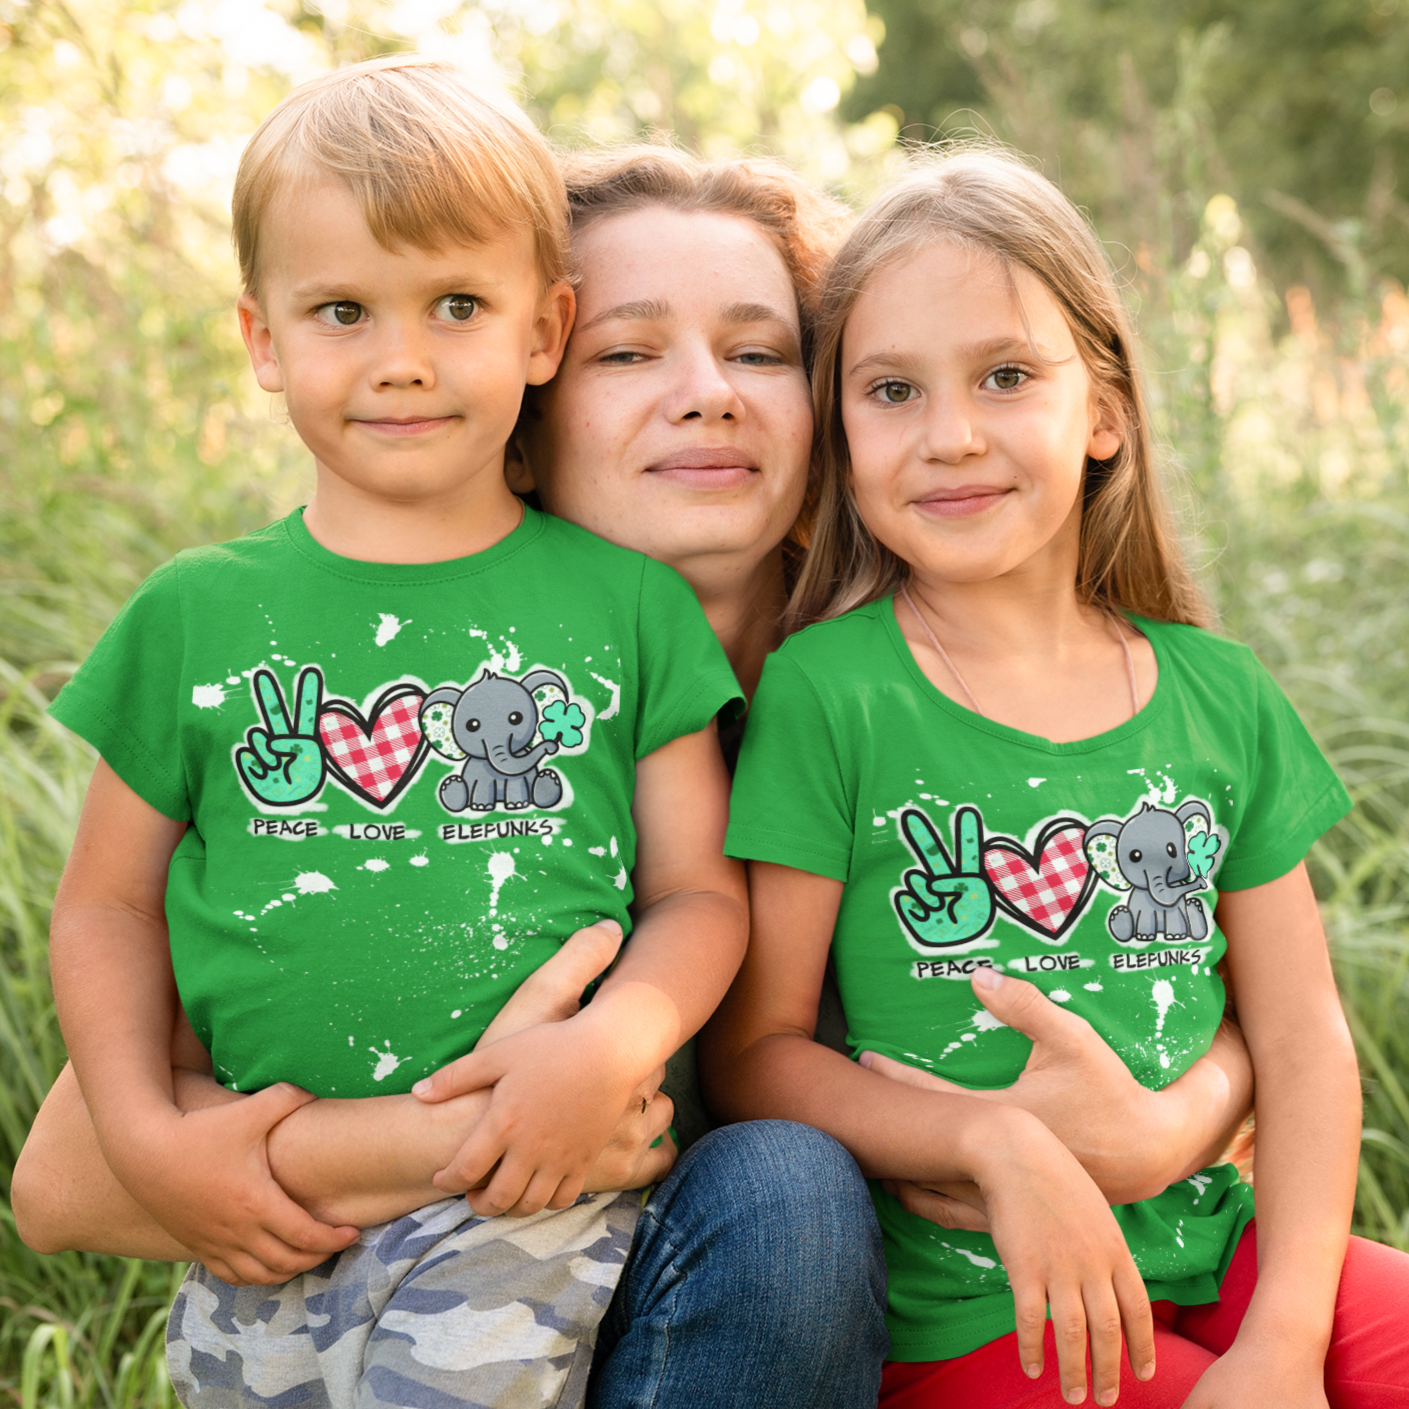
(986, 199)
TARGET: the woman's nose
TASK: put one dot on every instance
(702, 391)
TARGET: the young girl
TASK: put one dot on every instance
(1007, 754)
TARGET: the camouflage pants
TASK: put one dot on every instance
(437, 1310)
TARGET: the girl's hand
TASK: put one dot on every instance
(950, 1205)
(1061, 1247)
(1132, 1141)
(1252, 1375)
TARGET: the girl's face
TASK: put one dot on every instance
(680, 421)
(967, 451)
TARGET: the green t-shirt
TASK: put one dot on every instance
(406, 785)
(1088, 868)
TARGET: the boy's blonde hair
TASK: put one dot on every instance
(431, 158)
(985, 199)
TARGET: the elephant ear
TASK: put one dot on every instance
(1101, 853)
(436, 719)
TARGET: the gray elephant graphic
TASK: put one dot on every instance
(1160, 865)
(490, 725)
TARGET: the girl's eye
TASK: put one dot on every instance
(621, 357)
(342, 314)
(458, 308)
(1006, 378)
(894, 393)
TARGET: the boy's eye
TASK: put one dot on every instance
(895, 393)
(342, 314)
(1006, 378)
(459, 308)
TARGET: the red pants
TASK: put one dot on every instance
(1367, 1366)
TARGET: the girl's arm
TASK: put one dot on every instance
(1308, 1128)
(116, 1000)
(1056, 1235)
(691, 926)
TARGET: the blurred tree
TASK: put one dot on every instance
(1299, 109)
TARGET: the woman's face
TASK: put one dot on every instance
(680, 421)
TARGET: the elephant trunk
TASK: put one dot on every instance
(514, 765)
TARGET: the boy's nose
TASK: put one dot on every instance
(402, 361)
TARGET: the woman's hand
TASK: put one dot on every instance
(1132, 1141)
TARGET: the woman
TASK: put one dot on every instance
(679, 425)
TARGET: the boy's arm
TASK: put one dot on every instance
(690, 932)
(203, 1175)
(1308, 1127)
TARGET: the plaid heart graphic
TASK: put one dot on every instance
(376, 758)
(1045, 889)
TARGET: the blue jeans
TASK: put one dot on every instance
(756, 1281)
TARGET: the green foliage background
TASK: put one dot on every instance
(1240, 160)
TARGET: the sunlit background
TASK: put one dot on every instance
(1241, 161)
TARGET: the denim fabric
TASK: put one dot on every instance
(756, 1281)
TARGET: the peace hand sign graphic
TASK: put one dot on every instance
(943, 903)
(283, 766)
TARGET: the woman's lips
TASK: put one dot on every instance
(961, 503)
(706, 469)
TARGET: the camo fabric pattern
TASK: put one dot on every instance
(437, 1310)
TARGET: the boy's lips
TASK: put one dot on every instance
(705, 468)
(963, 502)
(404, 425)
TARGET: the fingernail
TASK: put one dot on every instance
(1032, 1371)
(1075, 1396)
(422, 1087)
(1146, 1372)
(1106, 1396)
(609, 925)
(864, 1058)
(992, 980)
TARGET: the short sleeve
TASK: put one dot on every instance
(790, 803)
(684, 675)
(123, 699)
(1295, 796)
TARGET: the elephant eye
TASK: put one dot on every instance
(1169, 847)
(472, 725)
(1137, 855)
(516, 718)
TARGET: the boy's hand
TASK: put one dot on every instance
(1061, 1246)
(205, 1178)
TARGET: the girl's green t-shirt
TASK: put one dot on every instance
(1091, 869)
(357, 894)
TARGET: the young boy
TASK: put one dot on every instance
(364, 771)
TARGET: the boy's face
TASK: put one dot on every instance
(403, 371)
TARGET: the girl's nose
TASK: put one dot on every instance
(950, 433)
(701, 391)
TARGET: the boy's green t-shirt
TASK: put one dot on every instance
(357, 894)
(963, 842)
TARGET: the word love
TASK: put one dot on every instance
(1049, 963)
(377, 831)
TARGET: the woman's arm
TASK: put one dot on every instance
(1056, 1235)
(1132, 1141)
(1308, 1128)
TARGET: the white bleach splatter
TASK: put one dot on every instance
(421, 860)
(232, 679)
(986, 1022)
(506, 662)
(613, 709)
(1092, 987)
(313, 883)
(976, 1258)
(1060, 995)
(597, 850)
(388, 627)
(455, 1014)
(501, 867)
(1200, 1183)
(878, 821)
(1163, 995)
(208, 696)
(387, 1062)
(1035, 782)
(375, 863)
(613, 846)
(619, 880)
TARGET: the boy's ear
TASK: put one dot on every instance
(255, 332)
(556, 310)
(518, 473)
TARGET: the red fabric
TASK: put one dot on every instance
(1367, 1366)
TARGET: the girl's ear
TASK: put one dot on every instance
(1108, 432)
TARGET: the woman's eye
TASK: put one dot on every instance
(458, 308)
(342, 314)
(758, 359)
(895, 393)
(1006, 378)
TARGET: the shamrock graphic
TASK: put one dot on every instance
(1203, 847)
(563, 722)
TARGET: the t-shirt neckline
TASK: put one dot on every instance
(357, 569)
(1148, 714)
